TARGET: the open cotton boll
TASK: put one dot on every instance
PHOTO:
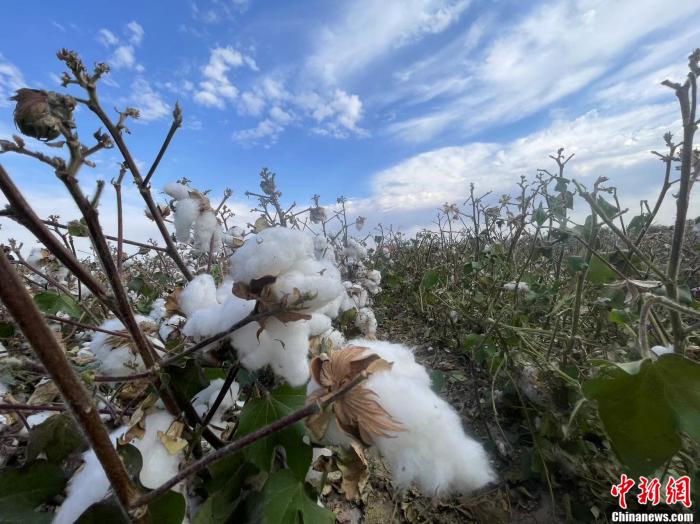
(158, 463)
(224, 291)
(158, 310)
(318, 324)
(87, 487)
(198, 294)
(216, 319)
(432, 450)
(206, 398)
(320, 288)
(186, 212)
(403, 359)
(170, 325)
(284, 347)
(521, 287)
(366, 321)
(207, 232)
(115, 355)
(272, 252)
(177, 191)
(354, 252)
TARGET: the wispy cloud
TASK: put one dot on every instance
(216, 88)
(123, 49)
(150, 104)
(366, 30)
(526, 67)
(11, 79)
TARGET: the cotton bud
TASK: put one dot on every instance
(41, 114)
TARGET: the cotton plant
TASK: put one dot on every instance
(194, 218)
(116, 355)
(395, 412)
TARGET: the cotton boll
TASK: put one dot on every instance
(87, 487)
(186, 212)
(318, 324)
(224, 291)
(283, 346)
(115, 355)
(521, 287)
(320, 289)
(198, 294)
(206, 398)
(403, 361)
(158, 464)
(216, 319)
(207, 232)
(433, 450)
(335, 338)
(366, 321)
(271, 252)
(158, 310)
(177, 191)
(170, 325)
(354, 252)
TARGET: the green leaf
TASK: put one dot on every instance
(51, 302)
(539, 216)
(681, 378)
(608, 209)
(599, 272)
(103, 512)
(188, 379)
(636, 416)
(576, 264)
(78, 228)
(25, 488)
(57, 436)
(132, 459)
(430, 279)
(7, 329)
(619, 316)
(263, 411)
(224, 487)
(169, 508)
(288, 500)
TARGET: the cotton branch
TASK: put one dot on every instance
(247, 440)
(89, 83)
(27, 316)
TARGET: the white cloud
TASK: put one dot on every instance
(367, 30)
(266, 129)
(524, 68)
(11, 79)
(251, 104)
(150, 104)
(107, 38)
(135, 32)
(123, 57)
(604, 145)
(216, 87)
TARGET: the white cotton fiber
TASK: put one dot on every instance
(271, 252)
(158, 310)
(114, 354)
(170, 325)
(207, 232)
(224, 291)
(186, 212)
(158, 464)
(177, 190)
(200, 293)
(318, 324)
(218, 318)
(433, 450)
(203, 400)
(404, 362)
(284, 347)
(88, 486)
(366, 321)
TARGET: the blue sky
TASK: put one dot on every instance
(397, 104)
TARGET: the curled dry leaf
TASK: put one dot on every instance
(357, 412)
(172, 438)
(352, 463)
(172, 303)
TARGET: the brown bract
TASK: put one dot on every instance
(357, 412)
(41, 114)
